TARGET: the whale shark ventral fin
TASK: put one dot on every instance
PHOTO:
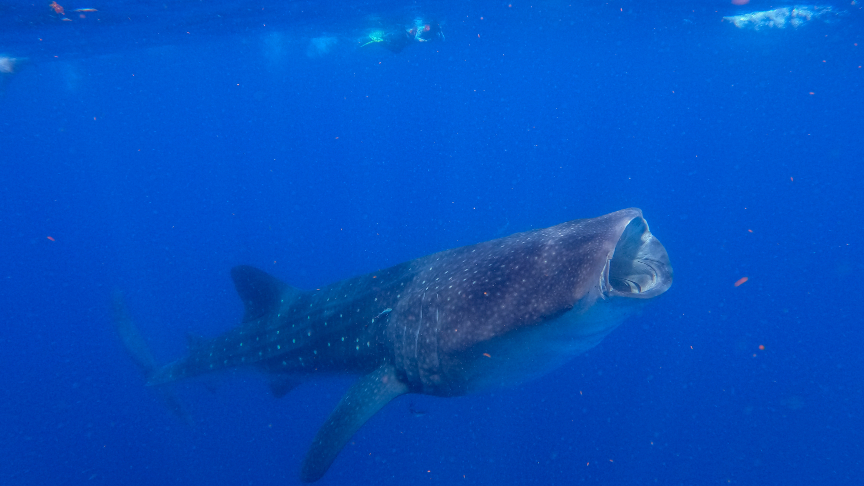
(280, 385)
(368, 395)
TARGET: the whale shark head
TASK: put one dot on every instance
(553, 294)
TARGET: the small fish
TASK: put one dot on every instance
(85, 10)
(381, 314)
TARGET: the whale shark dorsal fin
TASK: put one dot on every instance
(261, 292)
(368, 395)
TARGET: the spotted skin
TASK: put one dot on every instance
(445, 324)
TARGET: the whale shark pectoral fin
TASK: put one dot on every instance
(368, 395)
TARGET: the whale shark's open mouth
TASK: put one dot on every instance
(639, 266)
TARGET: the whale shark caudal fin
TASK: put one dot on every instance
(138, 350)
(134, 343)
(368, 395)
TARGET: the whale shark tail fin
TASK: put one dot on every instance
(138, 350)
(133, 341)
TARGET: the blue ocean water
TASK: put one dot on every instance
(160, 144)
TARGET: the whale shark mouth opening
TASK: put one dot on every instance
(639, 266)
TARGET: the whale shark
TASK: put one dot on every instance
(460, 321)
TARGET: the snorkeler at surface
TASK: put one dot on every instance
(397, 38)
(423, 31)
(8, 67)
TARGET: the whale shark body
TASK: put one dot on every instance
(451, 323)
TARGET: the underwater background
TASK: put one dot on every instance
(150, 147)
